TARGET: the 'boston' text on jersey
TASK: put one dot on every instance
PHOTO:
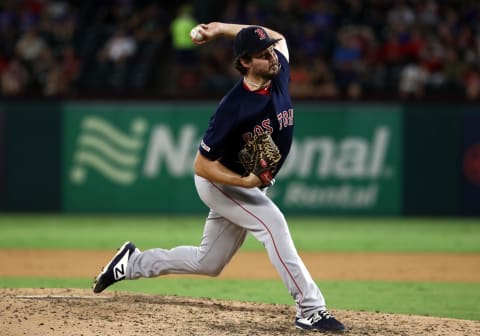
(285, 118)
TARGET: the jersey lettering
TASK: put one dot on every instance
(257, 130)
(285, 118)
(266, 126)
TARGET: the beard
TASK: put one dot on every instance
(272, 71)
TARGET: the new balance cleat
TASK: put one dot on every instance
(116, 269)
(321, 320)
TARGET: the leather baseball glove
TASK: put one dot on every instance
(260, 156)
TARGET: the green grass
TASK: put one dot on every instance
(455, 300)
(309, 234)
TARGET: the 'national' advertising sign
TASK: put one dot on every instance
(139, 158)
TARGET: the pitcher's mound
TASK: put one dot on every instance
(72, 312)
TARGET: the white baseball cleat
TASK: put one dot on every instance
(116, 269)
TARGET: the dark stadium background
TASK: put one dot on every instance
(348, 49)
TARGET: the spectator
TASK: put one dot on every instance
(59, 23)
(300, 80)
(61, 76)
(8, 31)
(472, 83)
(401, 15)
(30, 45)
(412, 81)
(432, 59)
(70, 65)
(180, 30)
(14, 78)
(323, 80)
(428, 13)
(119, 47)
(413, 44)
(455, 69)
(185, 50)
(148, 24)
(347, 62)
(42, 66)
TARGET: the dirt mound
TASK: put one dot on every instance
(76, 312)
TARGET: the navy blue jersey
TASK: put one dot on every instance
(243, 113)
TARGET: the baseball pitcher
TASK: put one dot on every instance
(243, 148)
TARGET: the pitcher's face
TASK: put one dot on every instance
(265, 63)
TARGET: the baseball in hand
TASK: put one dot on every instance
(195, 34)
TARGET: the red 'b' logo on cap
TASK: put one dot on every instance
(261, 33)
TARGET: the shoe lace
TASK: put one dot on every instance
(320, 315)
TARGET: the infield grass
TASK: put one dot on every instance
(309, 234)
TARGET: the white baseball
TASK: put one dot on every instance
(195, 34)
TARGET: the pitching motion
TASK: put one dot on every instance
(244, 146)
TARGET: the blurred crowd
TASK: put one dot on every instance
(346, 49)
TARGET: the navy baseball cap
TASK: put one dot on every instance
(251, 40)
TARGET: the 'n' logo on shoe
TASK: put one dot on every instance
(120, 269)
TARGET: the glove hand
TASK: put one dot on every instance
(261, 156)
(264, 173)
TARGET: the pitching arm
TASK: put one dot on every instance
(213, 30)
